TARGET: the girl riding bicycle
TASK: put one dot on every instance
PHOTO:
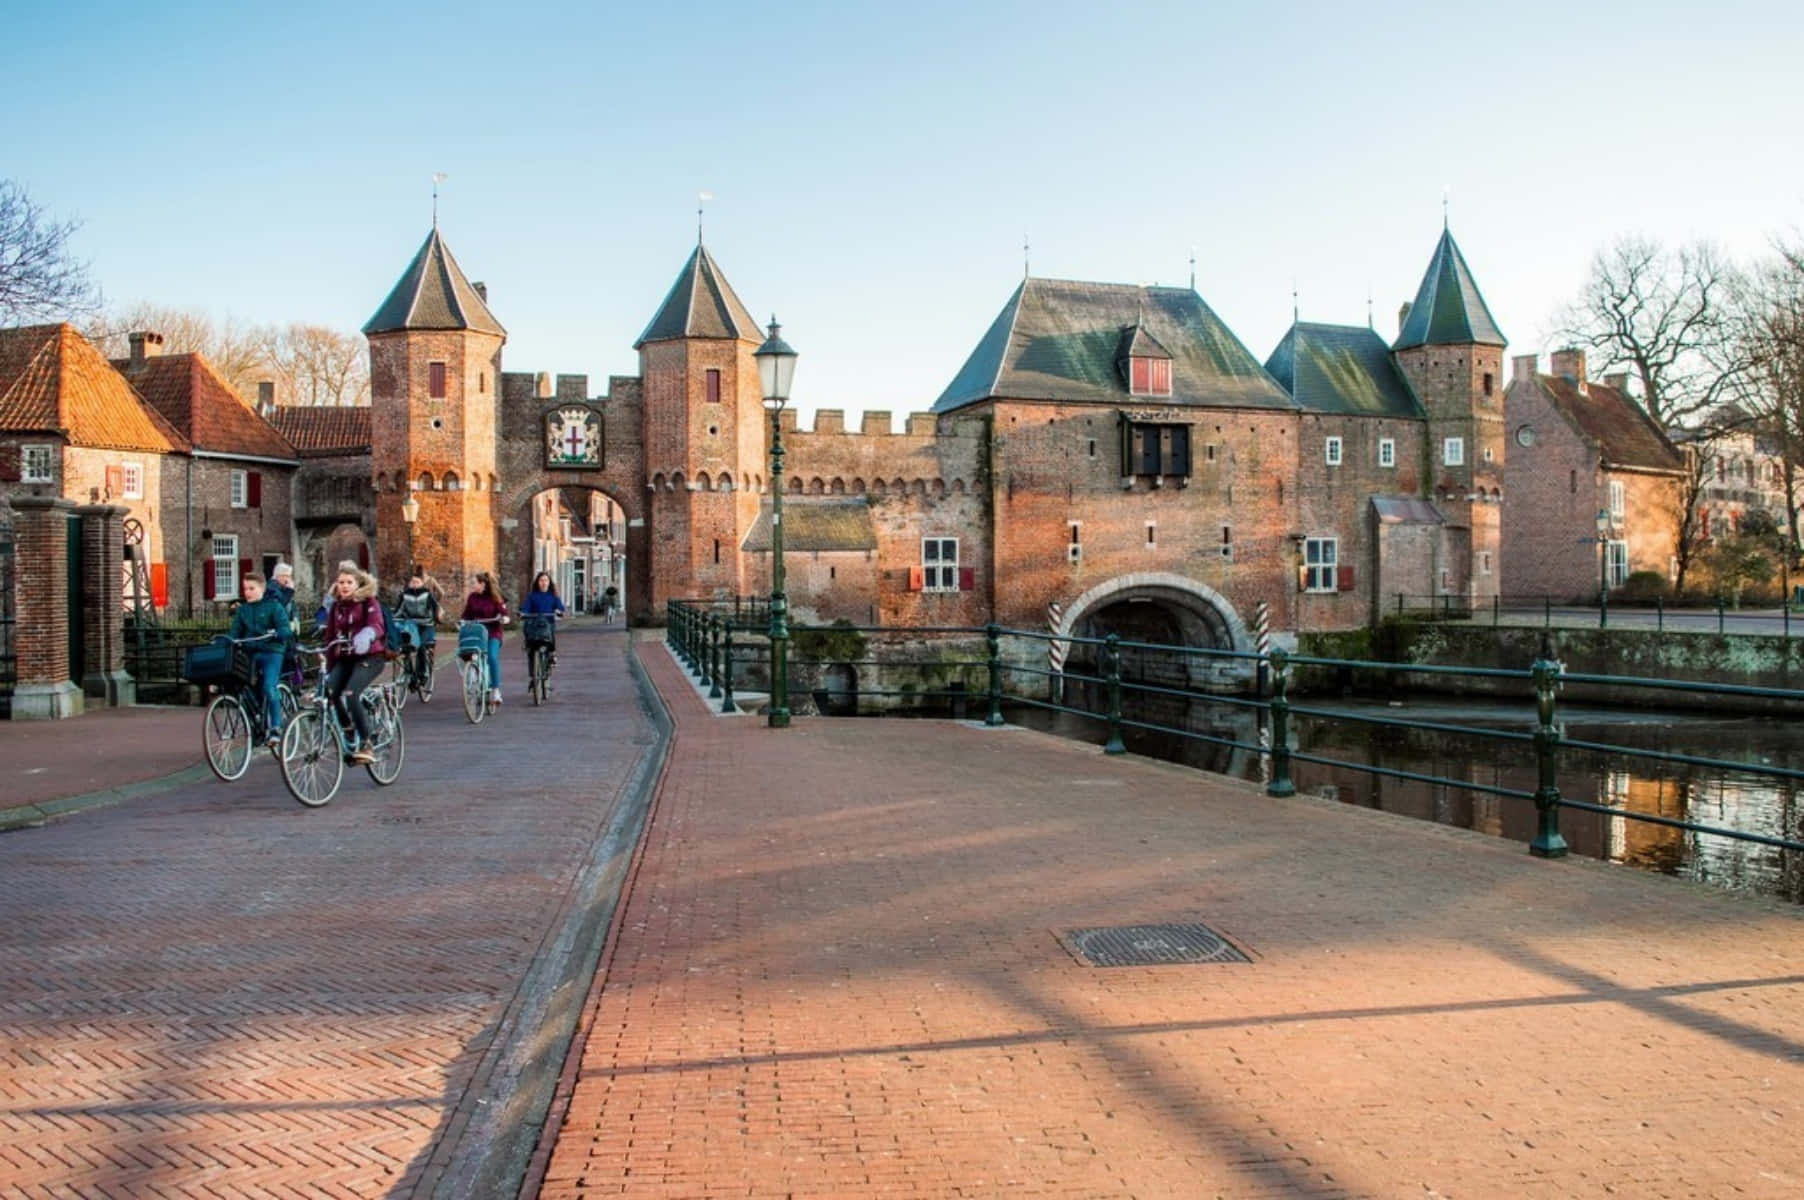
(541, 601)
(417, 606)
(486, 604)
(354, 633)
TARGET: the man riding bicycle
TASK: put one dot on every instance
(262, 615)
(417, 613)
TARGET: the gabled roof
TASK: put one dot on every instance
(53, 380)
(1448, 309)
(1136, 342)
(433, 294)
(1060, 340)
(821, 524)
(1341, 369)
(1624, 435)
(203, 407)
(701, 304)
(1406, 510)
(324, 432)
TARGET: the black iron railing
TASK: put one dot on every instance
(1717, 616)
(978, 671)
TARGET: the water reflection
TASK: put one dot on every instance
(1734, 800)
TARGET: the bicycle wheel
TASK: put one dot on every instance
(389, 744)
(291, 703)
(536, 684)
(313, 762)
(423, 678)
(476, 690)
(400, 674)
(226, 733)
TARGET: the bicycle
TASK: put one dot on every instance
(412, 663)
(234, 724)
(314, 747)
(473, 649)
(538, 629)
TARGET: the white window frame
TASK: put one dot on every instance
(225, 583)
(1331, 451)
(1619, 499)
(1453, 452)
(939, 573)
(44, 456)
(1321, 563)
(241, 489)
(1617, 558)
(131, 480)
(1387, 452)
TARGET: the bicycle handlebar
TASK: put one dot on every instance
(261, 637)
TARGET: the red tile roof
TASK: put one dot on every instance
(325, 431)
(203, 407)
(1624, 435)
(52, 380)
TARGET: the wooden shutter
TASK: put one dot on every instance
(11, 464)
(917, 578)
(207, 589)
(713, 386)
(1180, 450)
(253, 489)
(1140, 381)
(435, 380)
(967, 579)
(363, 556)
(159, 584)
(1161, 377)
(245, 567)
(115, 481)
(1344, 578)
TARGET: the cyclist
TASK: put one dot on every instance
(354, 647)
(281, 585)
(263, 615)
(541, 601)
(417, 612)
(485, 603)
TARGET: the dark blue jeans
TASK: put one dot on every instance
(266, 672)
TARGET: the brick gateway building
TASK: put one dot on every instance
(1111, 449)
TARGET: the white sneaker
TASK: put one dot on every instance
(495, 697)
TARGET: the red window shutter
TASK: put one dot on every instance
(1345, 581)
(207, 588)
(1140, 383)
(1161, 381)
(11, 464)
(363, 556)
(253, 489)
(917, 578)
(159, 584)
(713, 386)
(115, 480)
(245, 567)
(967, 578)
(435, 380)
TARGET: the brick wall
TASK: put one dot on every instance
(197, 506)
(1462, 389)
(1552, 491)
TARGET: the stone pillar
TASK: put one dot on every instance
(103, 605)
(41, 604)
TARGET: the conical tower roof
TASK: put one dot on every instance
(701, 304)
(433, 294)
(1448, 309)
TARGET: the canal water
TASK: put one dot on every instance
(1706, 795)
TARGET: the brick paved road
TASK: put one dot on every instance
(837, 975)
(213, 991)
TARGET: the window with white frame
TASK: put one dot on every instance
(1453, 452)
(240, 489)
(1320, 557)
(1331, 451)
(37, 464)
(1618, 499)
(225, 566)
(132, 475)
(1619, 563)
(1387, 452)
(939, 564)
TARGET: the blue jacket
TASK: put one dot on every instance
(265, 616)
(541, 604)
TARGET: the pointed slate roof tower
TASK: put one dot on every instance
(433, 294)
(701, 304)
(1448, 309)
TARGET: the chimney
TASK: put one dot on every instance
(1618, 380)
(145, 345)
(482, 289)
(1402, 317)
(1525, 366)
(1570, 363)
(266, 396)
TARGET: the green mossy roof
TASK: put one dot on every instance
(1342, 369)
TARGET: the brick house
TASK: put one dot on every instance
(1594, 487)
(228, 501)
(71, 426)
(334, 505)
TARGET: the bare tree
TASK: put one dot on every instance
(1666, 316)
(1772, 330)
(315, 365)
(234, 349)
(1701, 448)
(39, 279)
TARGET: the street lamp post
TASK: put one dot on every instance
(776, 368)
(410, 512)
(1603, 567)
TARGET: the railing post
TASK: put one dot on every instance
(1496, 611)
(1112, 672)
(1281, 784)
(1547, 843)
(1659, 614)
(1603, 608)
(726, 671)
(1719, 616)
(992, 634)
(670, 624)
(714, 624)
(1546, 611)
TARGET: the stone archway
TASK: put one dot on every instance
(517, 554)
(1159, 607)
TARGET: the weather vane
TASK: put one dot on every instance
(700, 199)
(438, 177)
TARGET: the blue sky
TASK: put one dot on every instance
(875, 168)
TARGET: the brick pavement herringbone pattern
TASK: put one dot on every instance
(837, 975)
(218, 992)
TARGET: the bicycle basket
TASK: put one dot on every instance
(472, 639)
(210, 664)
(536, 629)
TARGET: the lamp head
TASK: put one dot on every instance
(410, 509)
(1603, 520)
(776, 368)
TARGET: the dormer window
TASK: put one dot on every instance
(1145, 363)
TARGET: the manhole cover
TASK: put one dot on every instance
(1150, 945)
